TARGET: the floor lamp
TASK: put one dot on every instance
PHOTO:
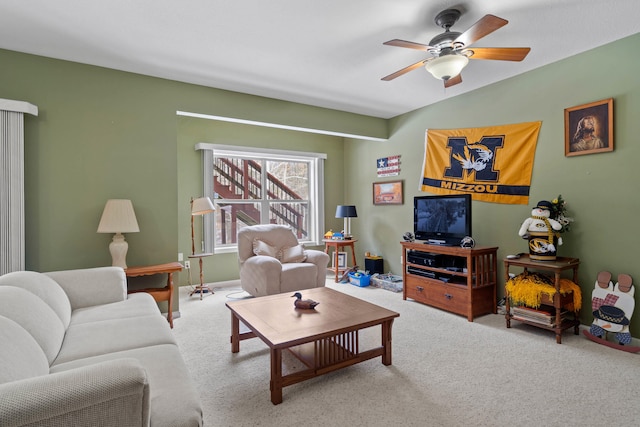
(199, 207)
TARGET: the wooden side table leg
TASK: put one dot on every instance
(558, 306)
(201, 279)
(576, 313)
(353, 254)
(507, 306)
(507, 310)
(276, 376)
(170, 303)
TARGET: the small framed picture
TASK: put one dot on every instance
(342, 261)
(588, 128)
(387, 193)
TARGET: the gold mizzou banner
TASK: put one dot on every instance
(493, 164)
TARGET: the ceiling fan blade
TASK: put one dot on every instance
(453, 81)
(410, 45)
(486, 25)
(405, 70)
(499, 53)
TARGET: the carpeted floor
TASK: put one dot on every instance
(446, 372)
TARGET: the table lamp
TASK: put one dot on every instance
(199, 207)
(347, 212)
(118, 217)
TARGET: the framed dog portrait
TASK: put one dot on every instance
(588, 128)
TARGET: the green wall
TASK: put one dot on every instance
(104, 134)
(194, 130)
(600, 189)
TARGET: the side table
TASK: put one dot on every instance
(158, 294)
(559, 301)
(337, 245)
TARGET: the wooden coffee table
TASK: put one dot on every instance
(324, 339)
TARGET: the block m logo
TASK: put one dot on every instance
(473, 162)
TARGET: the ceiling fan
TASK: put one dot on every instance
(451, 52)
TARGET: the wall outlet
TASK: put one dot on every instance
(187, 265)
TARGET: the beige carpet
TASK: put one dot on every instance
(446, 372)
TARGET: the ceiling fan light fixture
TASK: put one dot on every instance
(447, 66)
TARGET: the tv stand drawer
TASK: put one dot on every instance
(439, 295)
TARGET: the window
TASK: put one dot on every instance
(262, 186)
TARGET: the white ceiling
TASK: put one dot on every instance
(327, 53)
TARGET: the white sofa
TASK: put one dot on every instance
(272, 261)
(76, 350)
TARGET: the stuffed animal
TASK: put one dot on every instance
(540, 223)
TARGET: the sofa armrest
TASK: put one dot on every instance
(260, 275)
(112, 393)
(318, 258)
(321, 260)
(92, 286)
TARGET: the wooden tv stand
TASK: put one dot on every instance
(459, 280)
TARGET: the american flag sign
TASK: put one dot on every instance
(388, 166)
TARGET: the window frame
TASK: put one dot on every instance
(316, 186)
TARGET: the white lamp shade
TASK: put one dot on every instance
(118, 217)
(447, 66)
(202, 206)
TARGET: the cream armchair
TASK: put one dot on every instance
(272, 261)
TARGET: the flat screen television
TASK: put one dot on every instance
(442, 219)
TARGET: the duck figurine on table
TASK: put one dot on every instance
(305, 304)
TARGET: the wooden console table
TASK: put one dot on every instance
(337, 245)
(158, 294)
(451, 278)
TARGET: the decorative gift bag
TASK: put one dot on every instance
(540, 248)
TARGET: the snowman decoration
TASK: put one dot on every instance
(541, 231)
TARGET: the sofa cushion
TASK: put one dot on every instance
(43, 286)
(275, 235)
(108, 336)
(295, 276)
(35, 316)
(263, 248)
(293, 254)
(174, 399)
(137, 304)
(20, 355)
